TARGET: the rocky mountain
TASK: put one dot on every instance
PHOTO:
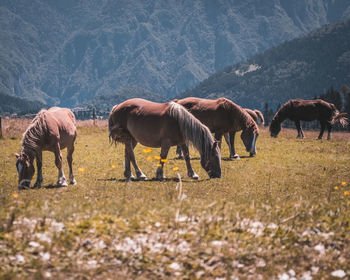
(305, 67)
(68, 51)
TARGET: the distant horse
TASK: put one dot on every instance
(257, 116)
(162, 125)
(222, 116)
(51, 130)
(307, 110)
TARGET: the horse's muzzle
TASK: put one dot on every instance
(24, 184)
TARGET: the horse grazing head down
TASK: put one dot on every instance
(249, 137)
(25, 169)
(212, 161)
(275, 127)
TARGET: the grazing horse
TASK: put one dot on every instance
(307, 110)
(51, 130)
(222, 116)
(162, 125)
(257, 116)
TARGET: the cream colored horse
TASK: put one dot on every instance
(51, 130)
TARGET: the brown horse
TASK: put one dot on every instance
(222, 116)
(162, 125)
(257, 116)
(51, 130)
(307, 110)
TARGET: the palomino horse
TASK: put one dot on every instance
(162, 125)
(51, 130)
(307, 110)
(222, 116)
(257, 116)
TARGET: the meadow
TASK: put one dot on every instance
(284, 214)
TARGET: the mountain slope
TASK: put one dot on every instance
(304, 67)
(65, 52)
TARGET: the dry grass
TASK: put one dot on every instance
(276, 215)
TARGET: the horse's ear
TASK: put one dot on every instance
(16, 155)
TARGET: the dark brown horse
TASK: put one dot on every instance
(51, 130)
(257, 116)
(222, 116)
(307, 110)
(162, 125)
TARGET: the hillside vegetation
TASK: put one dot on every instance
(67, 52)
(284, 213)
(301, 68)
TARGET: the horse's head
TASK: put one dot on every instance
(249, 137)
(212, 164)
(275, 127)
(25, 169)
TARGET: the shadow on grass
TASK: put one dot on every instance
(174, 179)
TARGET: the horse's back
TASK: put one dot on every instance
(61, 123)
(147, 122)
(309, 110)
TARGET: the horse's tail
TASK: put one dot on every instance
(340, 117)
(111, 126)
(192, 129)
(260, 116)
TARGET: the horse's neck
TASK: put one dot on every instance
(33, 140)
(30, 152)
(281, 116)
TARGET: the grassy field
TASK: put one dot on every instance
(282, 214)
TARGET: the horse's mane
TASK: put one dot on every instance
(35, 132)
(260, 116)
(245, 120)
(279, 116)
(193, 130)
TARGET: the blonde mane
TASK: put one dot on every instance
(193, 130)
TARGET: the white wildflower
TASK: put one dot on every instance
(320, 248)
(34, 244)
(20, 258)
(338, 273)
(157, 224)
(45, 256)
(306, 276)
(175, 266)
(44, 237)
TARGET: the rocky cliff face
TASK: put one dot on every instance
(65, 52)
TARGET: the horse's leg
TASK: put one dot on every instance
(300, 131)
(163, 155)
(233, 154)
(70, 150)
(218, 137)
(329, 128)
(61, 181)
(187, 157)
(139, 174)
(129, 150)
(323, 127)
(39, 165)
(127, 169)
(179, 152)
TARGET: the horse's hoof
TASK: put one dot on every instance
(251, 154)
(73, 182)
(142, 177)
(235, 156)
(194, 176)
(130, 178)
(37, 186)
(62, 184)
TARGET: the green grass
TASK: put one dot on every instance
(267, 215)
